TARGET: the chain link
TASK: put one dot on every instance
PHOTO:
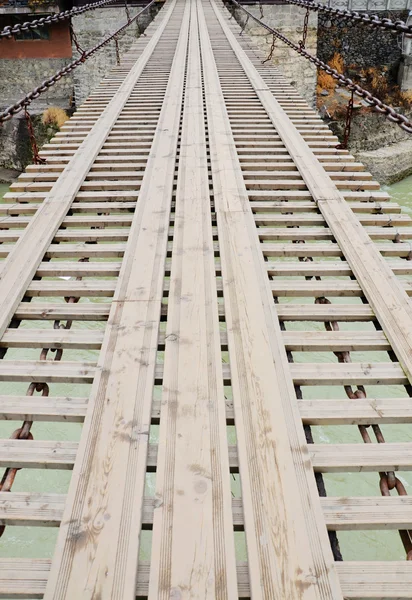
(348, 123)
(302, 43)
(37, 159)
(10, 30)
(75, 41)
(244, 25)
(390, 113)
(116, 43)
(397, 26)
(126, 8)
(272, 49)
(12, 110)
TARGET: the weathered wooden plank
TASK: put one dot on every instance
(109, 478)
(193, 508)
(26, 578)
(47, 370)
(50, 408)
(363, 411)
(37, 454)
(284, 526)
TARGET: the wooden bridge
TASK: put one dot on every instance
(234, 263)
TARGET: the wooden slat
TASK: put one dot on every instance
(111, 462)
(360, 412)
(51, 408)
(277, 488)
(49, 371)
(377, 580)
(37, 454)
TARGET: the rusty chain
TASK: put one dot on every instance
(302, 42)
(261, 9)
(126, 8)
(348, 123)
(397, 26)
(388, 111)
(11, 30)
(12, 110)
(244, 25)
(116, 44)
(272, 49)
(37, 159)
(75, 41)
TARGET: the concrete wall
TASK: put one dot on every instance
(289, 20)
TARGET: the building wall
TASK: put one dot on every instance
(288, 19)
(57, 46)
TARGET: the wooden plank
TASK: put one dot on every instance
(331, 341)
(366, 513)
(348, 374)
(365, 411)
(25, 509)
(80, 312)
(50, 408)
(23, 260)
(193, 510)
(109, 475)
(37, 454)
(47, 370)
(342, 458)
(285, 533)
(55, 338)
(377, 580)
(381, 287)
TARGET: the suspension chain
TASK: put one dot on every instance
(9, 31)
(302, 42)
(75, 41)
(348, 123)
(116, 43)
(272, 49)
(37, 159)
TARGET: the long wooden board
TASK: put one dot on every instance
(193, 549)
(98, 545)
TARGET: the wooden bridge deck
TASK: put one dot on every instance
(215, 237)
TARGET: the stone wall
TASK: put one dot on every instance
(91, 28)
(22, 75)
(359, 45)
(289, 20)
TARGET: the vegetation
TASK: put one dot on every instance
(54, 117)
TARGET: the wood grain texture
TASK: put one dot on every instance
(98, 544)
(193, 553)
(285, 533)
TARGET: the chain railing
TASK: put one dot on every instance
(388, 111)
(24, 102)
(11, 30)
